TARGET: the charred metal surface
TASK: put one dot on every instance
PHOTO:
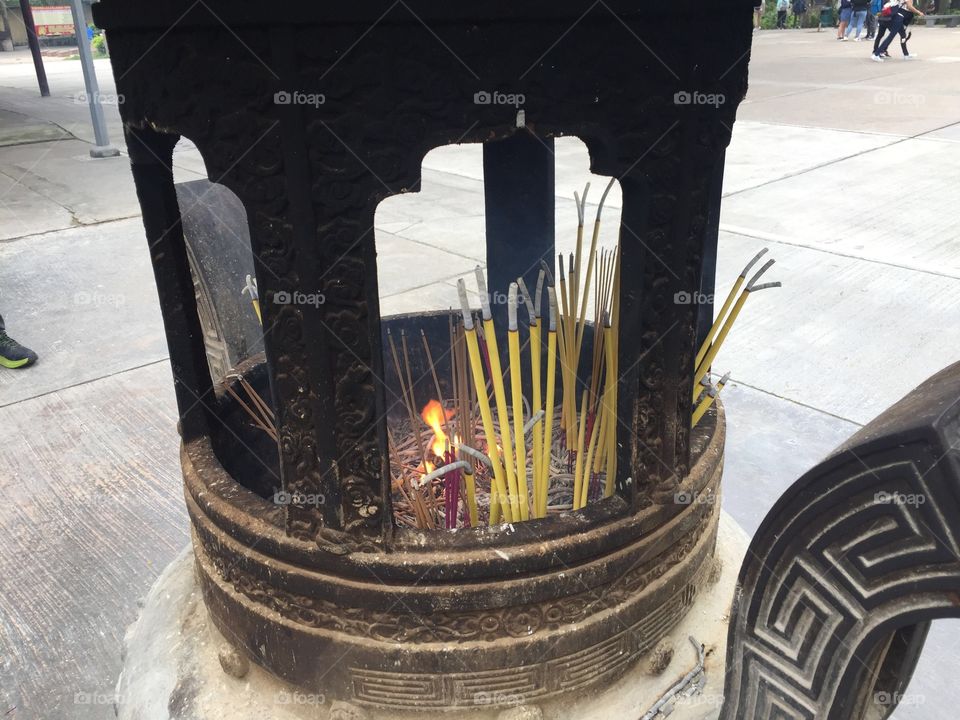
(850, 566)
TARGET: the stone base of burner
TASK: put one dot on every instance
(177, 666)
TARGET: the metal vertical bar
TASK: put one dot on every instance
(519, 187)
(151, 160)
(102, 148)
(34, 44)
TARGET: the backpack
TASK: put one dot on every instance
(799, 7)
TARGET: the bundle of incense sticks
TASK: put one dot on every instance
(520, 467)
(496, 455)
(704, 392)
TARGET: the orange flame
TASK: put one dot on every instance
(434, 415)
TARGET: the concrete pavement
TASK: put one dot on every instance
(846, 169)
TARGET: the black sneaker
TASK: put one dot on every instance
(13, 354)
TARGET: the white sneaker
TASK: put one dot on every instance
(876, 58)
(844, 38)
(857, 39)
(911, 56)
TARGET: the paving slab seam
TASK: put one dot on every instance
(770, 237)
(28, 236)
(734, 380)
(84, 382)
(828, 163)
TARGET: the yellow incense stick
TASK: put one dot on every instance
(610, 414)
(725, 307)
(500, 396)
(708, 400)
(513, 342)
(251, 289)
(535, 365)
(588, 465)
(476, 367)
(471, 486)
(613, 370)
(590, 261)
(725, 330)
(603, 416)
(551, 387)
(568, 417)
(533, 313)
(578, 469)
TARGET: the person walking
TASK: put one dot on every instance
(901, 13)
(12, 354)
(782, 7)
(757, 16)
(799, 9)
(857, 19)
(846, 11)
(875, 7)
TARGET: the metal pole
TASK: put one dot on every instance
(34, 44)
(103, 148)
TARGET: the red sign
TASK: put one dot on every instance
(53, 21)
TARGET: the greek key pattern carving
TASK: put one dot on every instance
(870, 536)
(602, 661)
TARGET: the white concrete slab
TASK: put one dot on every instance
(896, 207)
(763, 152)
(833, 335)
(85, 300)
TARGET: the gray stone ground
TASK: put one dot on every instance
(849, 171)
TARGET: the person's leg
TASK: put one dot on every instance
(13, 354)
(882, 27)
(896, 25)
(851, 26)
(861, 19)
(904, 38)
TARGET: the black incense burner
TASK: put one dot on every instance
(426, 619)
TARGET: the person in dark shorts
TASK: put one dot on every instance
(901, 13)
(846, 12)
(12, 354)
